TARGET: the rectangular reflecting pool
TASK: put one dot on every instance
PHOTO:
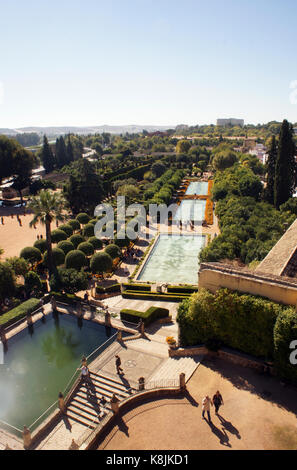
(174, 260)
(39, 363)
(199, 188)
(191, 210)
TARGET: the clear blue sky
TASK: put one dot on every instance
(164, 62)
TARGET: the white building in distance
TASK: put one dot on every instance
(230, 122)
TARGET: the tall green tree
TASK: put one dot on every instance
(285, 169)
(271, 165)
(84, 191)
(47, 156)
(61, 152)
(22, 166)
(70, 153)
(47, 207)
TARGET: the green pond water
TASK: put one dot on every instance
(39, 363)
(174, 259)
(191, 210)
(199, 188)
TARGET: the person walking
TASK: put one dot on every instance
(217, 401)
(206, 402)
(2, 220)
(118, 365)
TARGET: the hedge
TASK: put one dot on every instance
(157, 296)
(182, 290)
(70, 299)
(19, 312)
(240, 321)
(109, 289)
(137, 287)
(152, 314)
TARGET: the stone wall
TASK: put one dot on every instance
(213, 276)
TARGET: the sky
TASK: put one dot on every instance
(146, 62)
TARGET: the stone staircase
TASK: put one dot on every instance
(174, 366)
(86, 406)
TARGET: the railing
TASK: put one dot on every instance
(162, 383)
(11, 428)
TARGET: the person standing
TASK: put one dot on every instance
(118, 365)
(206, 402)
(217, 401)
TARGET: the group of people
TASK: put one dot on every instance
(12, 216)
(207, 402)
(185, 224)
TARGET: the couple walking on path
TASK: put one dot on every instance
(207, 402)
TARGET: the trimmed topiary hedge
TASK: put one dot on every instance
(67, 228)
(86, 248)
(137, 287)
(58, 236)
(74, 224)
(66, 246)
(157, 296)
(97, 244)
(151, 315)
(83, 218)
(75, 259)
(19, 312)
(76, 240)
(70, 299)
(41, 245)
(182, 290)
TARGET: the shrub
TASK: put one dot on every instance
(7, 281)
(86, 248)
(75, 259)
(58, 236)
(19, 265)
(70, 299)
(74, 224)
(19, 312)
(97, 244)
(101, 263)
(58, 257)
(113, 251)
(32, 282)
(67, 228)
(152, 314)
(243, 322)
(285, 331)
(66, 246)
(93, 221)
(83, 218)
(41, 245)
(122, 243)
(76, 240)
(69, 281)
(31, 254)
(88, 230)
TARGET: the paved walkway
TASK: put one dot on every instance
(258, 414)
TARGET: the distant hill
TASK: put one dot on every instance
(83, 130)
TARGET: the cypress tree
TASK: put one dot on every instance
(70, 154)
(285, 169)
(61, 152)
(271, 164)
(47, 156)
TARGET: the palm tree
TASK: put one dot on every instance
(47, 206)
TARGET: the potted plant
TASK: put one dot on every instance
(171, 342)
